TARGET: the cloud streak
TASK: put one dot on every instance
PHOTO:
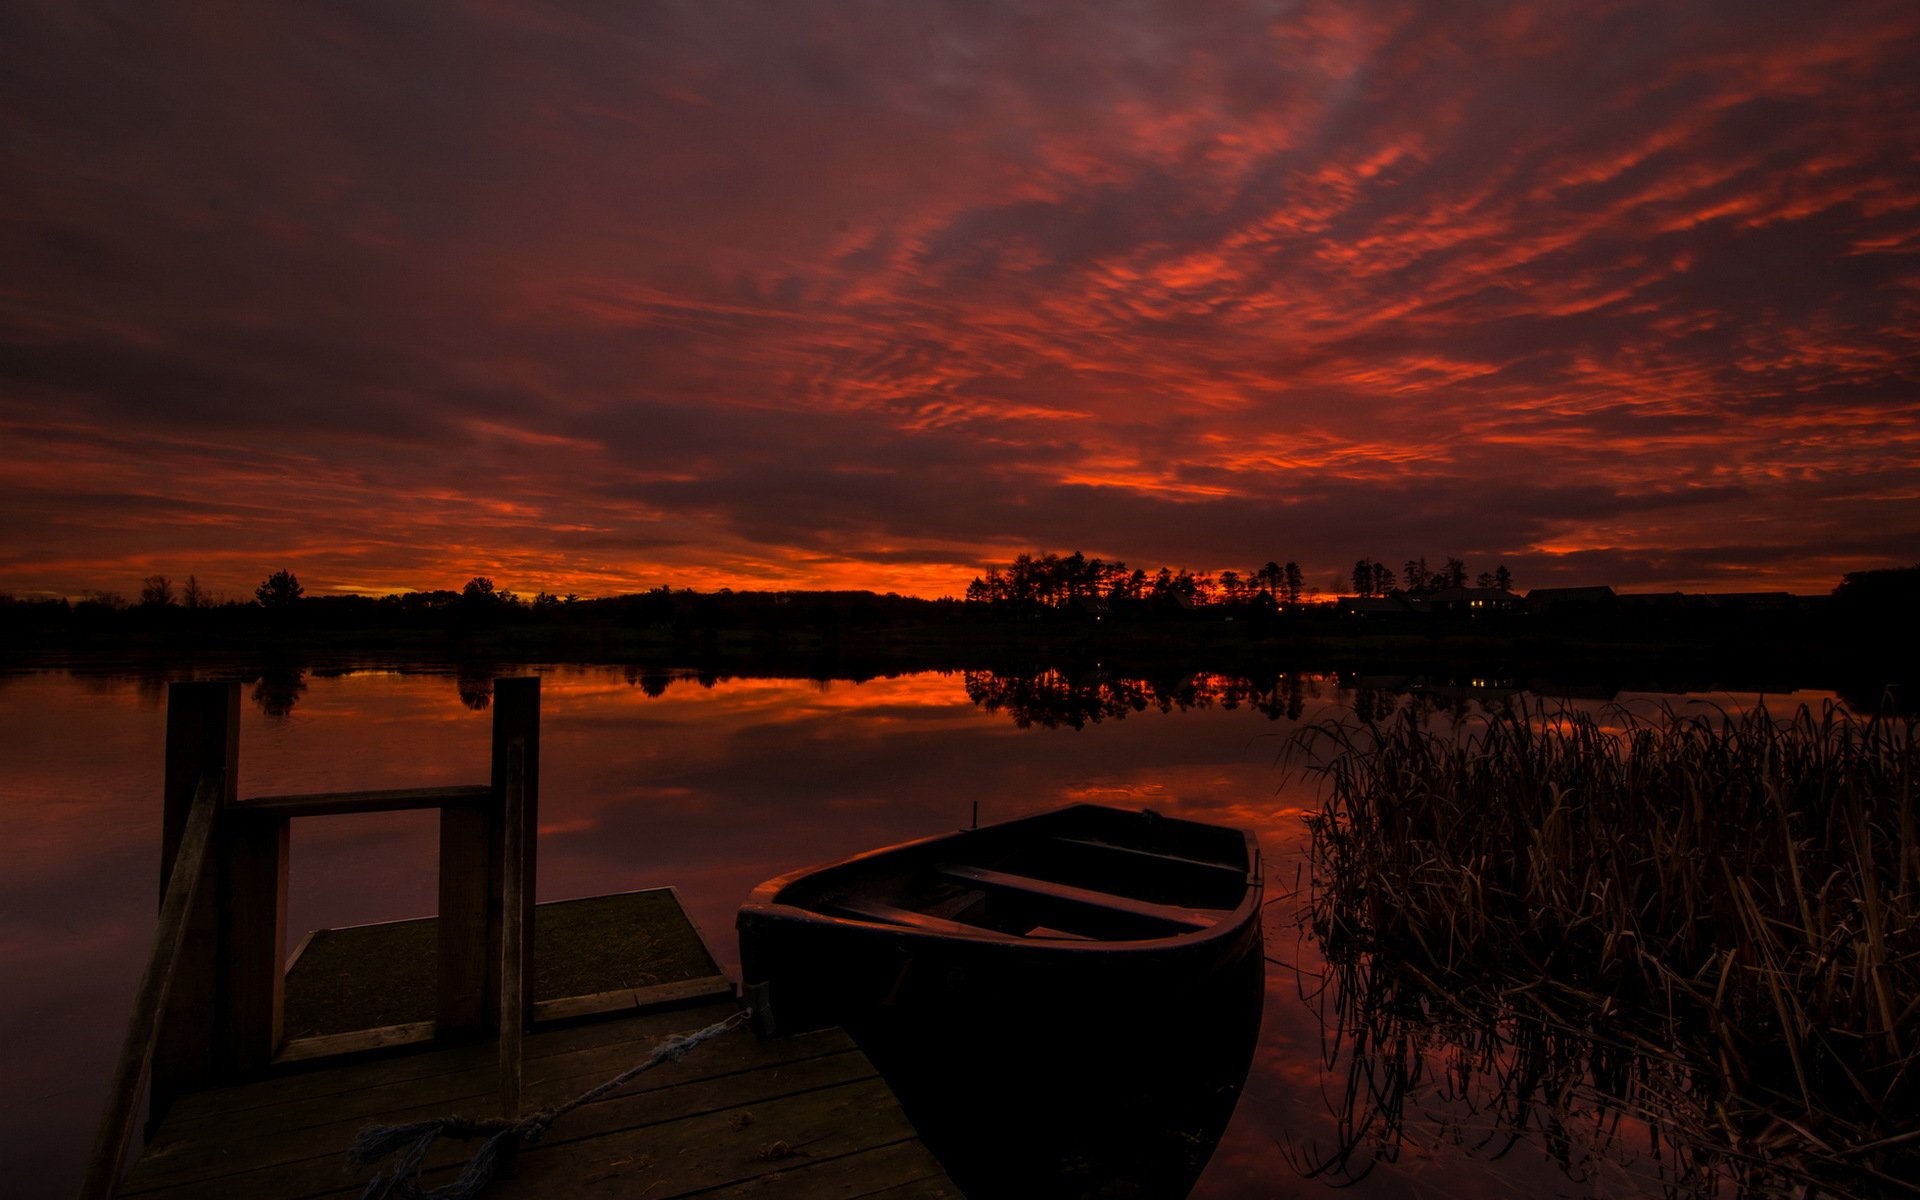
(594, 299)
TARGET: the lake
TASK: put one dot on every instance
(714, 785)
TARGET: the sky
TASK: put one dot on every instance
(594, 298)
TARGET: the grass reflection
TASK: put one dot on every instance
(1700, 931)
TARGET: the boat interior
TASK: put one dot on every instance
(1082, 874)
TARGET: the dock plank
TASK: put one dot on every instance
(797, 1118)
(286, 1159)
(552, 1078)
(717, 1119)
(246, 1138)
(901, 1171)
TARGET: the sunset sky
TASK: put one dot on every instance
(596, 297)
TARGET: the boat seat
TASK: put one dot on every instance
(1184, 917)
(1234, 873)
(889, 914)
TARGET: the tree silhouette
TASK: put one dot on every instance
(1271, 579)
(1363, 576)
(1292, 581)
(156, 591)
(279, 590)
(1382, 578)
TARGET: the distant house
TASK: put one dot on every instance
(1570, 599)
(1473, 601)
(1377, 607)
(1651, 601)
(1096, 607)
(1752, 601)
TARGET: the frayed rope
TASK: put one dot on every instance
(504, 1137)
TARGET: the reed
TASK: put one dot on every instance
(1737, 895)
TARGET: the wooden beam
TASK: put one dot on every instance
(1046, 889)
(253, 914)
(516, 715)
(203, 737)
(354, 1042)
(203, 741)
(190, 865)
(513, 926)
(468, 936)
(330, 804)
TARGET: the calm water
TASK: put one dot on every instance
(714, 786)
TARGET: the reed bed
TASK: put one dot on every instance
(1734, 896)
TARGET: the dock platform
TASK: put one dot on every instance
(802, 1117)
(257, 1073)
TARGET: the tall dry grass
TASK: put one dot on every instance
(1737, 895)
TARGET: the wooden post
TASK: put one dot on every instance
(516, 717)
(203, 734)
(253, 916)
(469, 962)
(203, 738)
(513, 950)
(473, 871)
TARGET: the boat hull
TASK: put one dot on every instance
(1035, 1061)
(807, 966)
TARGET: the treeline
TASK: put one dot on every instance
(1059, 580)
(280, 604)
(1370, 578)
(1056, 581)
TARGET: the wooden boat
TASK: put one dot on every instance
(1082, 904)
(1066, 1004)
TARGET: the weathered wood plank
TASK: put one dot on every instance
(468, 930)
(516, 718)
(714, 1150)
(901, 1171)
(571, 1008)
(360, 1041)
(150, 998)
(242, 1158)
(354, 1077)
(516, 982)
(203, 738)
(333, 804)
(253, 914)
(459, 1076)
(385, 973)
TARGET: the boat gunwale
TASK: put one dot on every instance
(760, 904)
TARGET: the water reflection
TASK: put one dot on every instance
(653, 776)
(474, 681)
(1074, 699)
(278, 688)
(1413, 1071)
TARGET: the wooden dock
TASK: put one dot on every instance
(802, 1117)
(261, 1074)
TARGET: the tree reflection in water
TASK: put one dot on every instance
(1054, 699)
(278, 688)
(1057, 698)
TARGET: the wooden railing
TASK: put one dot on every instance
(150, 1001)
(209, 1008)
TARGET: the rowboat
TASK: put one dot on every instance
(1064, 1003)
(1081, 903)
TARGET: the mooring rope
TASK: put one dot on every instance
(504, 1136)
